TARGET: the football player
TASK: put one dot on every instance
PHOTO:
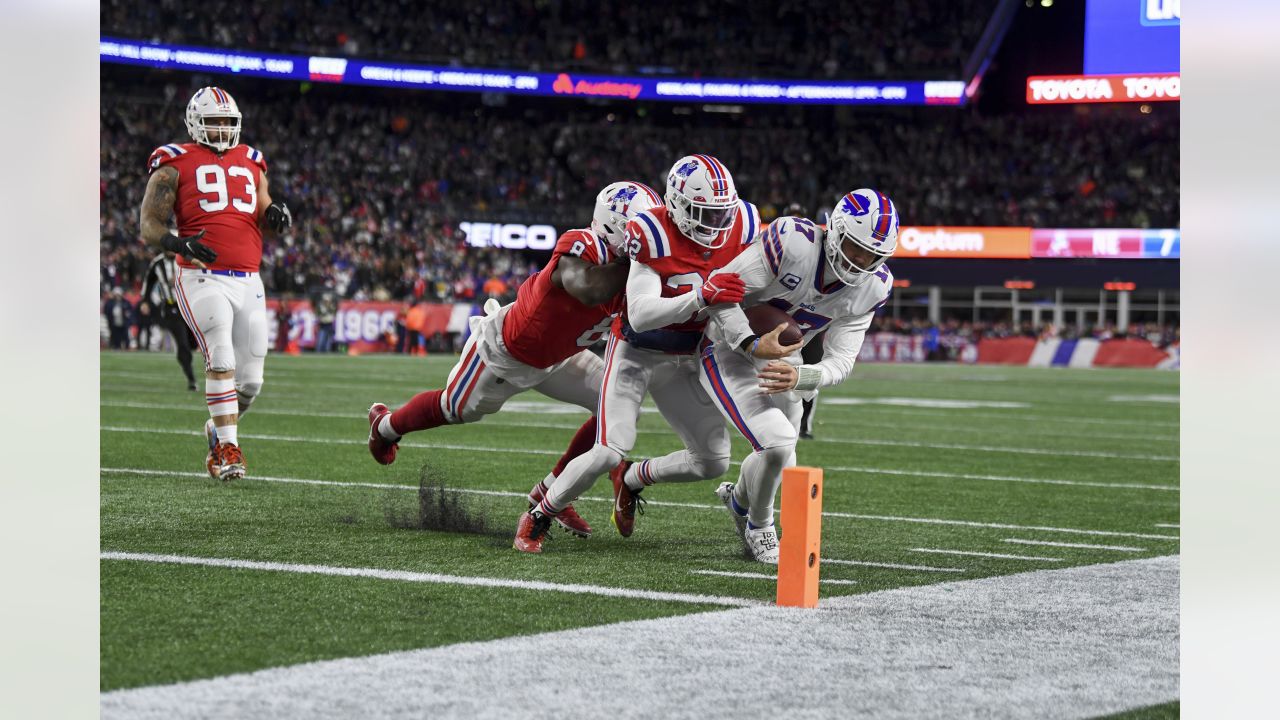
(829, 280)
(653, 344)
(217, 190)
(538, 342)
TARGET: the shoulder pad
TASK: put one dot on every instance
(255, 156)
(163, 155)
(750, 222)
(647, 238)
(584, 244)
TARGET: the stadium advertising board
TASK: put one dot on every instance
(964, 242)
(355, 71)
(1121, 244)
(1059, 89)
(1132, 36)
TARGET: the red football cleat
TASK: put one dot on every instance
(569, 520)
(625, 500)
(531, 531)
(230, 462)
(382, 450)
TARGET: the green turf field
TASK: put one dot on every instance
(935, 468)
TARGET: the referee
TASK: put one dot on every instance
(157, 290)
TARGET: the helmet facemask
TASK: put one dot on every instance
(704, 223)
(851, 261)
(220, 137)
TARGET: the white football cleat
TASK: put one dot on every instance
(725, 493)
(763, 543)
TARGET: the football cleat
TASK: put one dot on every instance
(230, 461)
(569, 520)
(211, 437)
(625, 501)
(382, 449)
(763, 543)
(531, 532)
(725, 493)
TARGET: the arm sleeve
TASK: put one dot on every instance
(647, 309)
(840, 347)
(730, 320)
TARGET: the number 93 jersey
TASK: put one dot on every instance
(217, 194)
(787, 268)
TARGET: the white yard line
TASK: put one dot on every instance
(971, 553)
(421, 577)
(767, 576)
(533, 451)
(1046, 543)
(1072, 643)
(893, 566)
(661, 503)
(1175, 526)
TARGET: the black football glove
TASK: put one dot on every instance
(278, 217)
(189, 247)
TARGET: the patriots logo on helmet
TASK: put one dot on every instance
(686, 169)
(854, 205)
(624, 195)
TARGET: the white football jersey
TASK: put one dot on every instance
(787, 268)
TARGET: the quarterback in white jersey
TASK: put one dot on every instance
(834, 280)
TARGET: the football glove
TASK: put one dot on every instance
(723, 288)
(189, 247)
(278, 217)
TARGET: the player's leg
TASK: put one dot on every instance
(692, 415)
(811, 354)
(206, 303)
(627, 372)
(182, 342)
(249, 335)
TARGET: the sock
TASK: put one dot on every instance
(582, 441)
(539, 491)
(385, 430)
(220, 396)
(423, 412)
(735, 507)
(638, 477)
(227, 434)
(753, 526)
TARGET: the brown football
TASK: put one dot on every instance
(764, 318)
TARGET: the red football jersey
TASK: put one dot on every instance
(217, 194)
(654, 239)
(546, 324)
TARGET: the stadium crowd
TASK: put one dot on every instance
(806, 38)
(379, 180)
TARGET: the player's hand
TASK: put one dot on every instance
(770, 346)
(278, 217)
(722, 288)
(190, 248)
(778, 377)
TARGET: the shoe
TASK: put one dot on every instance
(191, 386)
(569, 520)
(230, 462)
(725, 493)
(806, 435)
(382, 450)
(211, 437)
(531, 531)
(625, 501)
(763, 543)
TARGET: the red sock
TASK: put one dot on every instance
(421, 413)
(582, 441)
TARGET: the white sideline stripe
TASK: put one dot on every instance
(1175, 526)
(531, 451)
(513, 408)
(1066, 643)
(661, 503)
(1046, 543)
(421, 577)
(893, 566)
(971, 553)
(766, 576)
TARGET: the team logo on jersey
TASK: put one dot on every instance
(855, 205)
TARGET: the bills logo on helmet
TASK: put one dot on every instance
(854, 205)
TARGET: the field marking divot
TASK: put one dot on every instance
(1066, 643)
(661, 503)
(1046, 543)
(972, 553)
(892, 566)
(536, 451)
(766, 576)
(409, 576)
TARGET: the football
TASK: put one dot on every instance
(764, 318)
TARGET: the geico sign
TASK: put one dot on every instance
(1103, 88)
(512, 236)
(921, 241)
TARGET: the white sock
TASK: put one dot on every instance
(227, 434)
(387, 432)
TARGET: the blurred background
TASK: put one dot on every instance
(431, 153)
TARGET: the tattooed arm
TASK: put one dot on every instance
(157, 205)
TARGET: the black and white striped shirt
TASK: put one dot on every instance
(158, 287)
